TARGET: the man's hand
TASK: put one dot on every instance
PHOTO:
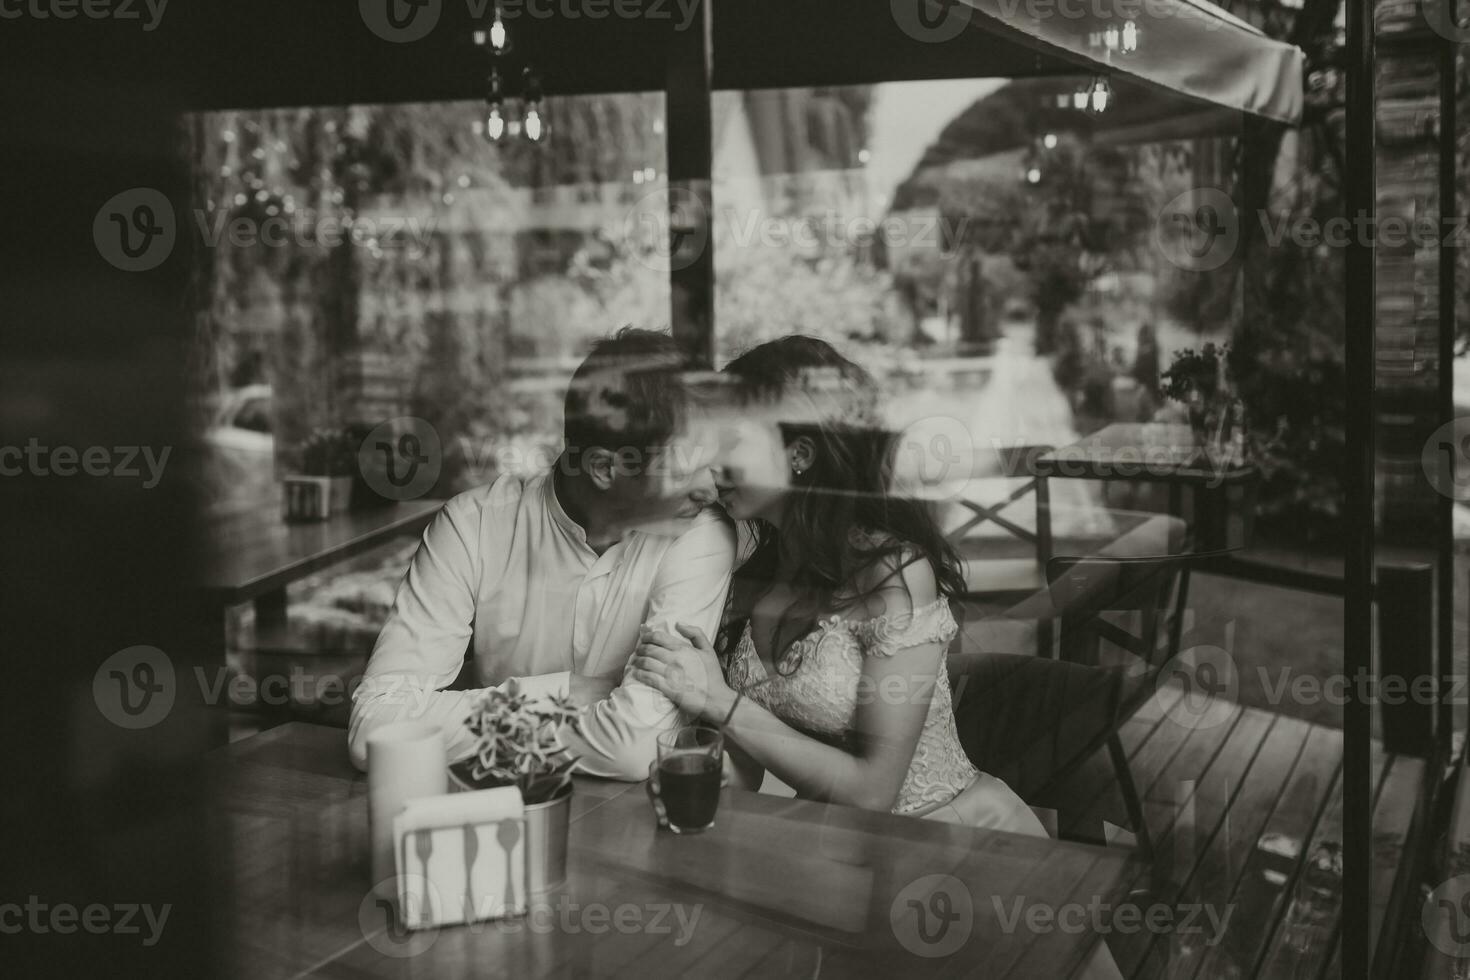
(587, 691)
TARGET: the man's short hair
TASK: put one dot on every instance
(628, 394)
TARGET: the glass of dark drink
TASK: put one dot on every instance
(689, 769)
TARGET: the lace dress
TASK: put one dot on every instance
(820, 696)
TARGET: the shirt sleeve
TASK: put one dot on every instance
(421, 648)
(616, 738)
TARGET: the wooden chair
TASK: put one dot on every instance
(1007, 579)
(1123, 613)
(1031, 720)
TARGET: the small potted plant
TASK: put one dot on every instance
(1201, 382)
(331, 454)
(1225, 508)
(517, 745)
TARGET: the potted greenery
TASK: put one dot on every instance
(1225, 507)
(517, 745)
(331, 454)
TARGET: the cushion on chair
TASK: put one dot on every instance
(1025, 719)
(1160, 534)
(983, 575)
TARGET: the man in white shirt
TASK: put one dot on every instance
(547, 579)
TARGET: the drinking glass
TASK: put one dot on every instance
(688, 776)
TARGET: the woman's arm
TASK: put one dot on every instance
(746, 772)
(894, 693)
(894, 696)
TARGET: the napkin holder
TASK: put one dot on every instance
(461, 857)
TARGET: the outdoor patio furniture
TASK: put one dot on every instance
(990, 577)
(254, 555)
(1032, 722)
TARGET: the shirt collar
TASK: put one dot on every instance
(558, 515)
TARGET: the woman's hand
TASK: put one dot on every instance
(684, 669)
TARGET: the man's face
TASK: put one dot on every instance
(671, 482)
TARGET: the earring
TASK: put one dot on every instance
(798, 469)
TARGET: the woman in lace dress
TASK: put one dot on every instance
(839, 618)
(830, 669)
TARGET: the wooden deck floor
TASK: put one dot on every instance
(1246, 819)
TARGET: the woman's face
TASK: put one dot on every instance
(751, 470)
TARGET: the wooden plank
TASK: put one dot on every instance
(1445, 925)
(1301, 943)
(1218, 871)
(1090, 795)
(255, 553)
(791, 958)
(678, 960)
(1268, 868)
(1159, 742)
(740, 952)
(1205, 784)
(1054, 877)
(1093, 890)
(1393, 817)
(1014, 879)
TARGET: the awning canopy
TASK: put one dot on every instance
(1188, 47)
(287, 53)
(1196, 57)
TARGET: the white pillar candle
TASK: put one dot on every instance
(406, 760)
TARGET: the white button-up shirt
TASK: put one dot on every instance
(504, 571)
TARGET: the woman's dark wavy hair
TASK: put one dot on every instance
(846, 489)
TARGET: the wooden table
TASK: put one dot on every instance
(1159, 452)
(252, 556)
(778, 887)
